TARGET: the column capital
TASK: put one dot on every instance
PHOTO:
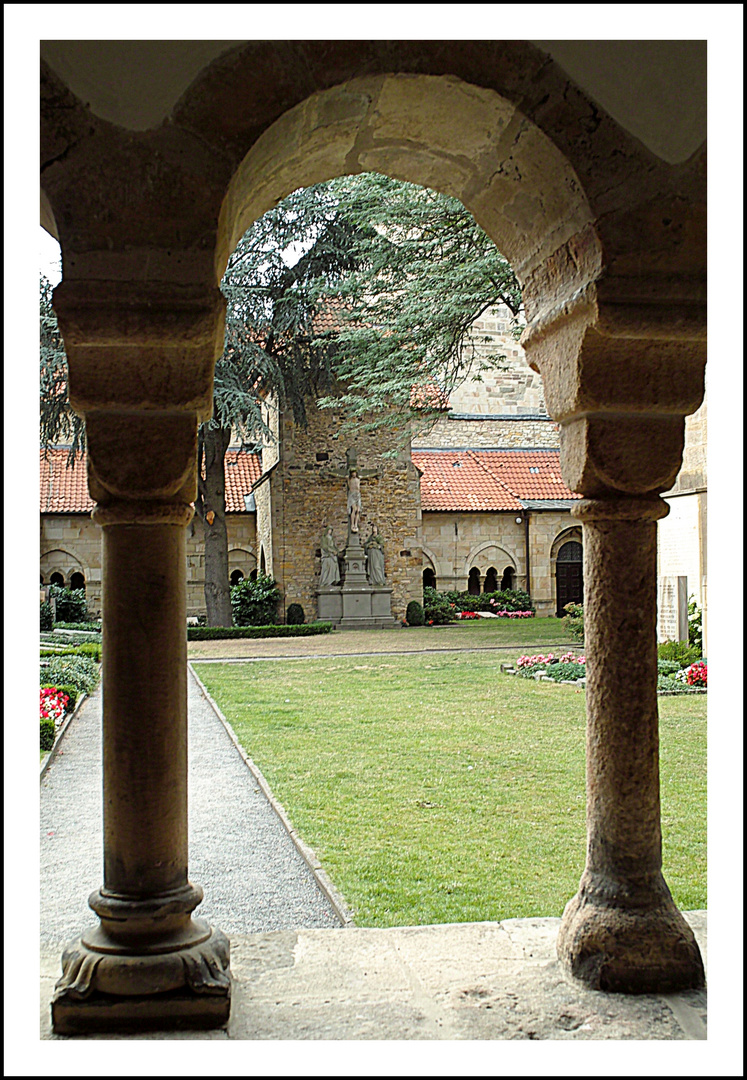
(621, 370)
(140, 345)
(142, 466)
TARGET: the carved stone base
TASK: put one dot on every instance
(107, 987)
(153, 1012)
(629, 951)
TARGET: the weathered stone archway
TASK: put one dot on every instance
(608, 243)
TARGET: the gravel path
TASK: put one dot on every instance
(253, 876)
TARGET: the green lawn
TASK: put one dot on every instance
(435, 789)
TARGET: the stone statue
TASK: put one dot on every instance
(374, 548)
(354, 476)
(330, 573)
(354, 500)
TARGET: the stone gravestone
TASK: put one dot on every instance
(672, 624)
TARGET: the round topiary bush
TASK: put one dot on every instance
(414, 616)
(295, 615)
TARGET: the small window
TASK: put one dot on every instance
(57, 579)
(237, 576)
(77, 581)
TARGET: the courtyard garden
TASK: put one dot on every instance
(437, 789)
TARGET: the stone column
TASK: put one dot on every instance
(622, 930)
(620, 381)
(147, 963)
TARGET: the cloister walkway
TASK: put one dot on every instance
(297, 973)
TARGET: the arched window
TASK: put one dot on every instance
(491, 580)
(508, 579)
(253, 574)
(429, 578)
(473, 584)
(77, 581)
(57, 579)
(237, 576)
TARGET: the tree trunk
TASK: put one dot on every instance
(211, 506)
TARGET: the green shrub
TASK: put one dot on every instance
(46, 621)
(88, 648)
(46, 733)
(94, 627)
(70, 604)
(255, 603)
(573, 621)
(218, 633)
(415, 615)
(79, 671)
(695, 624)
(681, 651)
(667, 667)
(70, 690)
(295, 615)
(558, 671)
(505, 600)
(437, 610)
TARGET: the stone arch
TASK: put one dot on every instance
(488, 554)
(438, 130)
(59, 561)
(575, 532)
(243, 559)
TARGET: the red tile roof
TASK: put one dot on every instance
(64, 490)
(488, 479)
(451, 480)
(243, 468)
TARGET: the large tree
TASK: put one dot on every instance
(407, 272)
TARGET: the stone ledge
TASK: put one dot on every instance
(461, 981)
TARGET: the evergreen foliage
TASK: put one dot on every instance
(254, 603)
(406, 271)
(414, 616)
(295, 616)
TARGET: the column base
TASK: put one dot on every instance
(629, 950)
(106, 987)
(175, 1011)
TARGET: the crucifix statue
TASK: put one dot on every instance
(354, 475)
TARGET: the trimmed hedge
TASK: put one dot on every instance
(46, 733)
(217, 633)
(88, 648)
(89, 626)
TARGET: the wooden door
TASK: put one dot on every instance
(569, 576)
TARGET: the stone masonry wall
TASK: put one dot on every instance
(305, 502)
(71, 539)
(497, 539)
(450, 432)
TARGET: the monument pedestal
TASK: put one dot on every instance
(355, 604)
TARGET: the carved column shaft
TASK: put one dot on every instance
(145, 728)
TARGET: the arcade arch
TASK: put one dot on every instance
(608, 244)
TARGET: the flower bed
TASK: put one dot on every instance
(53, 704)
(495, 614)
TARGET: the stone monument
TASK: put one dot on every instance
(672, 622)
(360, 599)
